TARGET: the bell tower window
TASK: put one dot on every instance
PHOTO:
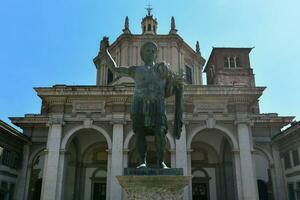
(231, 62)
(149, 27)
(226, 63)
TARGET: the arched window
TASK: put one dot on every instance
(110, 76)
(149, 27)
(188, 74)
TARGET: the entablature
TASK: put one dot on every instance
(270, 120)
(64, 93)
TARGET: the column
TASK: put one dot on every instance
(23, 175)
(249, 185)
(50, 178)
(280, 191)
(237, 170)
(108, 176)
(234, 58)
(189, 172)
(116, 162)
(60, 180)
(181, 156)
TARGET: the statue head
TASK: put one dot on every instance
(149, 53)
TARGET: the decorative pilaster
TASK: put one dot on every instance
(249, 185)
(280, 191)
(52, 157)
(116, 161)
(23, 175)
(238, 178)
(189, 172)
(108, 178)
(61, 171)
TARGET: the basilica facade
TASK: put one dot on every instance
(82, 138)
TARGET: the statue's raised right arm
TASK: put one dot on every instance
(121, 70)
(111, 64)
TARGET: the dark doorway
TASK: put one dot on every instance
(2, 194)
(37, 189)
(99, 191)
(262, 190)
(200, 190)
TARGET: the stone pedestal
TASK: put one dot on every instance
(154, 184)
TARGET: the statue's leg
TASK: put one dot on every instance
(141, 145)
(160, 143)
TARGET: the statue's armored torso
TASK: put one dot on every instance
(149, 83)
(148, 106)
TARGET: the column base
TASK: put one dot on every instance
(154, 184)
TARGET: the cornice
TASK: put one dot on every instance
(56, 93)
(271, 119)
(31, 119)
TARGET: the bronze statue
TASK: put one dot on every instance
(153, 83)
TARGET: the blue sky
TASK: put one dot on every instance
(43, 43)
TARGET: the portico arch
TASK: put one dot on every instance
(212, 150)
(70, 134)
(227, 133)
(264, 173)
(35, 153)
(35, 173)
(85, 149)
(266, 153)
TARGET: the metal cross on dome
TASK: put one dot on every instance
(149, 8)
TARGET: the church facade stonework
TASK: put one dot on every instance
(83, 139)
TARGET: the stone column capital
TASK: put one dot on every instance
(108, 151)
(55, 121)
(235, 151)
(189, 151)
(125, 151)
(172, 151)
(118, 121)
